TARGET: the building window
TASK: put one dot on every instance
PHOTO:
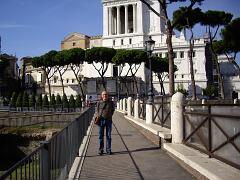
(74, 44)
(166, 54)
(121, 41)
(55, 79)
(174, 54)
(160, 55)
(182, 54)
(194, 54)
(182, 76)
(115, 71)
(72, 80)
(175, 76)
(67, 80)
(114, 42)
(130, 41)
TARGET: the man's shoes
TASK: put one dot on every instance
(100, 152)
(109, 152)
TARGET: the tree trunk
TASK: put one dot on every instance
(48, 82)
(170, 57)
(79, 83)
(61, 81)
(191, 43)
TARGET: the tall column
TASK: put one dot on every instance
(139, 17)
(134, 18)
(118, 20)
(126, 19)
(110, 21)
(105, 21)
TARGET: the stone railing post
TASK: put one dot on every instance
(177, 117)
(120, 108)
(129, 106)
(124, 104)
(149, 113)
(136, 108)
(118, 105)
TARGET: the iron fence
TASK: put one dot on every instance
(54, 158)
(15, 118)
(162, 111)
(215, 130)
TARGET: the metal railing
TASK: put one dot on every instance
(15, 118)
(162, 111)
(215, 130)
(54, 158)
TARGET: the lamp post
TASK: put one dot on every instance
(149, 47)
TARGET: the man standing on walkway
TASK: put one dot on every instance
(105, 109)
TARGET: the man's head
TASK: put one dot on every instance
(104, 95)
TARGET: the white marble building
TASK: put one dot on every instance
(128, 24)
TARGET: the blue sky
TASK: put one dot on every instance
(33, 27)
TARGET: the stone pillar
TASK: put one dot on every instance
(121, 105)
(140, 17)
(177, 117)
(149, 113)
(110, 21)
(118, 105)
(126, 19)
(136, 108)
(235, 101)
(118, 20)
(124, 104)
(129, 103)
(134, 18)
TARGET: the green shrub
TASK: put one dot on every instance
(72, 102)
(19, 100)
(181, 89)
(13, 99)
(32, 101)
(211, 91)
(65, 101)
(58, 101)
(39, 100)
(52, 101)
(78, 103)
(25, 102)
(45, 101)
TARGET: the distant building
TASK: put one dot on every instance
(75, 40)
(127, 25)
(8, 74)
(34, 79)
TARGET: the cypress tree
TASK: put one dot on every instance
(65, 101)
(45, 101)
(52, 101)
(19, 100)
(13, 99)
(58, 101)
(78, 103)
(32, 101)
(25, 102)
(39, 101)
(72, 102)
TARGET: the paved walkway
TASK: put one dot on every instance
(134, 157)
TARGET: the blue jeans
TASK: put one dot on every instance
(108, 124)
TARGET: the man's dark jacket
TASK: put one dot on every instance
(106, 108)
